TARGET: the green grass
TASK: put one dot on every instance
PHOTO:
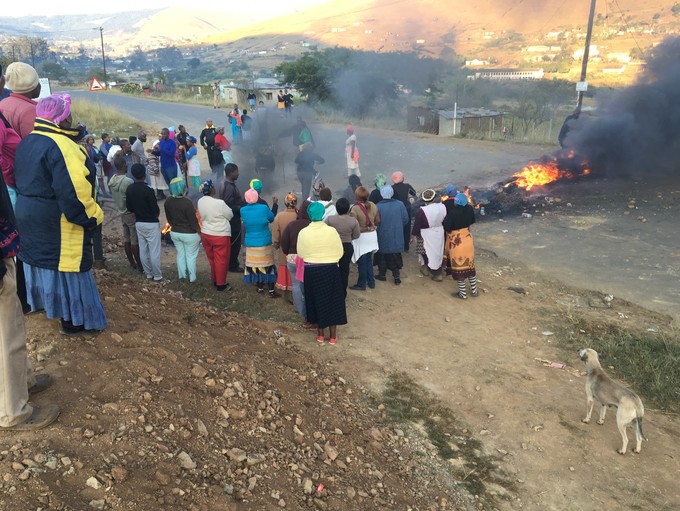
(407, 402)
(648, 362)
(104, 119)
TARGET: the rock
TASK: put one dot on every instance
(376, 435)
(237, 414)
(228, 393)
(237, 455)
(597, 303)
(351, 492)
(320, 504)
(66, 461)
(119, 474)
(17, 466)
(330, 451)
(252, 481)
(116, 337)
(25, 475)
(93, 482)
(254, 459)
(162, 478)
(200, 426)
(199, 371)
(282, 503)
(98, 504)
(51, 464)
(185, 461)
(517, 289)
(228, 489)
(307, 486)
(239, 387)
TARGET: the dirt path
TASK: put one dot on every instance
(478, 356)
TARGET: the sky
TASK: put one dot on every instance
(273, 7)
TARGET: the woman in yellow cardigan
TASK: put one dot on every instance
(320, 247)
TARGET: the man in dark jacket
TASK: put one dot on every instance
(207, 140)
(305, 161)
(231, 195)
(141, 201)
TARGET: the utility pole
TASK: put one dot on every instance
(101, 34)
(586, 52)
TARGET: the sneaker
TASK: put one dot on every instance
(320, 339)
(274, 294)
(475, 294)
(358, 288)
(226, 287)
(41, 417)
(397, 281)
(332, 341)
(460, 295)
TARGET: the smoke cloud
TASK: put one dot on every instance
(636, 130)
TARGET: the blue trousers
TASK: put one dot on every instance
(365, 267)
(298, 292)
(169, 173)
(187, 251)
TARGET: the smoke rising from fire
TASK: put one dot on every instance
(636, 130)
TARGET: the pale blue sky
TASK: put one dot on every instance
(272, 8)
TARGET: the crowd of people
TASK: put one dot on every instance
(51, 227)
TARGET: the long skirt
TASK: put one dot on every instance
(459, 253)
(260, 265)
(284, 282)
(324, 295)
(71, 296)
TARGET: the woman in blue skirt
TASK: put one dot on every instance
(57, 216)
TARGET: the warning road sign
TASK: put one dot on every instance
(95, 85)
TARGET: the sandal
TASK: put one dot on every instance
(40, 418)
(320, 339)
(333, 341)
(42, 382)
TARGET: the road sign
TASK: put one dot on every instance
(581, 86)
(45, 89)
(95, 85)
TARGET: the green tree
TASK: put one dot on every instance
(193, 63)
(137, 59)
(54, 71)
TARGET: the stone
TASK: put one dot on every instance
(162, 478)
(98, 504)
(93, 482)
(252, 481)
(351, 492)
(237, 414)
(376, 435)
(282, 503)
(25, 475)
(200, 426)
(116, 337)
(199, 371)
(51, 464)
(307, 486)
(119, 474)
(237, 455)
(66, 461)
(330, 451)
(17, 466)
(254, 459)
(185, 461)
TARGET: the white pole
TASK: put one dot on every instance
(455, 117)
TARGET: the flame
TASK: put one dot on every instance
(539, 174)
(166, 229)
(468, 191)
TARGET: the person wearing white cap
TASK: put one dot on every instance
(19, 107)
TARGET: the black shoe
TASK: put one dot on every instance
(397, 281)
(238, 269)
(226, 287)
(381, 278)
(357, 288)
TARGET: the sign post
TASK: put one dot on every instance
(95, 85)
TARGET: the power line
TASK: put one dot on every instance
(623, 18)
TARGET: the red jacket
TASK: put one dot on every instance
(9, 140)
(19, 112)
(222, 142)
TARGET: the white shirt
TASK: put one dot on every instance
(215, 216)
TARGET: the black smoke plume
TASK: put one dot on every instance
(636, 130)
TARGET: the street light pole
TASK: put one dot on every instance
(101, 34)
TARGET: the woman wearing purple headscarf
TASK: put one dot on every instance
(57, 216)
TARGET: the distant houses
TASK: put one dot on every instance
(507, 74)
(448, 123)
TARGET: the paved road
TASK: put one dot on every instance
(594, 245)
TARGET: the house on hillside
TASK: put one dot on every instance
(469, 120)
(507, 74)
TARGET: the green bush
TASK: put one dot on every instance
(131, 88)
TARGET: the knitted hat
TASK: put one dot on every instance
(251, 196)
(461, 199)
(387, 192)
(21, 78)
(316, 211)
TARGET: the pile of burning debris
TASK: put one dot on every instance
(528, 186)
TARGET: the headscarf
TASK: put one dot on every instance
(154, 143)
(350, 129)
(316, 211)
(55, 108)
(461, 199)
(303, 214)
(380, 181)
(251, 196)
(21, 78)
(177, 186)
(206, 187)
(386, 192)
(450, 191)
(290, 200)
(191, 139)
(397, 177)
(256, 185)
(429, 195)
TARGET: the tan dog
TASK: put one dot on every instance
(609, 393)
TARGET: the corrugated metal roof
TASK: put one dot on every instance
(469, 112)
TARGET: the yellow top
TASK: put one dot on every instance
(320, 244)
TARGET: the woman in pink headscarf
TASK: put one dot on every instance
(57, 216)
(260, 263)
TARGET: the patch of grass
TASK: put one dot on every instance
(104, 119)
(190, 318)
(405, 401)
(648, 361)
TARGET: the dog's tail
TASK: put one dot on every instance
(638, 425)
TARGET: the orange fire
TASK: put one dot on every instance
(468, 191)
(541, 174)
(166, 229)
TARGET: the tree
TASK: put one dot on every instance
(194, 63)
(54, 71)
(137, 59)
(27, 49)
(169, 57)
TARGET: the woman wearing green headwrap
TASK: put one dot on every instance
(181, 216)
(380, 181)
(321, 248)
